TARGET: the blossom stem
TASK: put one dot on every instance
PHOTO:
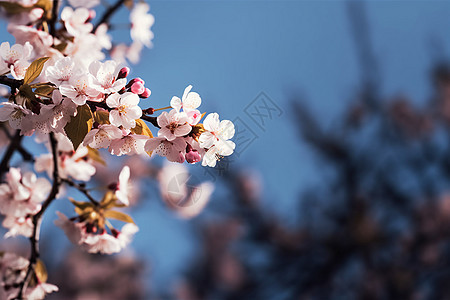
(34, 239)
(167, 107)
(82, 189)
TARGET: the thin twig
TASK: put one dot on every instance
(81, 188)
(108, 14)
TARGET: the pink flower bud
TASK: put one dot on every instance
(149, 111)
(137, 88)
(134, 80)
(123, 73)
(92, 15)
(193, 157)
(146, 93)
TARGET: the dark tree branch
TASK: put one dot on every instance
(54, 19)
(13, 146)
(34, 239)
(12, 83)
(27, 156)
(151, 120)
(108, 14)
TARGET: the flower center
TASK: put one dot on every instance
(122, 109)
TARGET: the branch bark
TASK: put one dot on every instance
(13, 146)
(34, 239)
(12, 83)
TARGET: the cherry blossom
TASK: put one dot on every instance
(105, 75)
(62, 71)
(39, 39)
(141, 22)
(54, 117)
(79, 89)
(102, 243)
(185, 198)
(128, 145)
(74, 231)
(122, 187)
(22, 195)
(102, 136)
(189, 102)
(84, 3)
(172, 150)
(125, 109)
(17, 116)
(40, 290)
(173, 124)
(18, 226)
(75, 21)
(14, 59)
(71, 164)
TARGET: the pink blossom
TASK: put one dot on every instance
(173, 124)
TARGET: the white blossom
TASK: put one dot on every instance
(189, 102)
(125, 109)
(102, 136)
(173, 150)
(141, 22)
(75, 21)
(128, 145)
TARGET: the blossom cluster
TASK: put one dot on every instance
(69, 97)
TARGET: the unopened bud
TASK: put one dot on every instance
(137, 88)
(92, 15)
(134, 80)
(193, 157)
(149, 111)
(123, 73)
(146, 93)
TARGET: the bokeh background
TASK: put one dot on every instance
(339, 187)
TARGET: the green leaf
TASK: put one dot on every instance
(117, 215)
(142, 129)
(79, 126)
(40, 271)
(34, 70)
